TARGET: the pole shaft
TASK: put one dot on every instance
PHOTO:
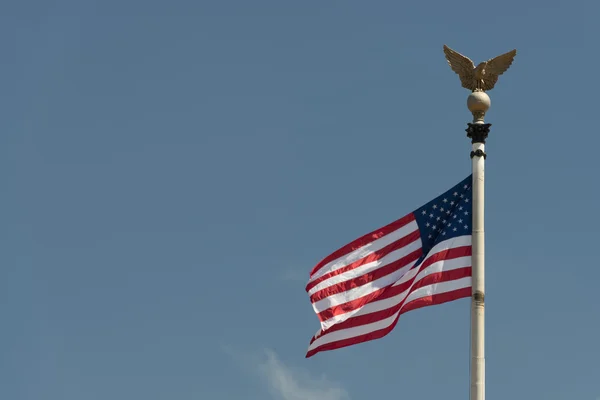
(478, 276)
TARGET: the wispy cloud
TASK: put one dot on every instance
(287, 383)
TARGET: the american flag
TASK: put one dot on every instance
(424, 258)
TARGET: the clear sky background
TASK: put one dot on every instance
(172, 170)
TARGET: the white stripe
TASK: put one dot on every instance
(442, 265)
(365, 250)
(342, 317)
(396, 278)
(360, 291)
(459, 241)
(437, 288)
(434, 289)
(368, 267)
(380, 305)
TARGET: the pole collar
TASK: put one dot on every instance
(478, 297)
(478, 153)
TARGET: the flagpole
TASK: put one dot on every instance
(478, 79)
(478, 103)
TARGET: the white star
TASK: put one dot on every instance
(443, 221)
(438, 218)
(460, 221)
(454, 229)
(430, 215)
(466, 186)
(424, 212)
(448, 212)
(466, 226)
(466, 200)
(445, 200)
(454, 216)
(442, 209)
(434, 206)
(462, 195)
(460, 208)
(434, 227)
(451, 203)
(466, 213)
(449, 224)
(455, 193)
(444, 233)
(430, 236)
(427, 224)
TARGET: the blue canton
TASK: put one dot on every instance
(447, 216)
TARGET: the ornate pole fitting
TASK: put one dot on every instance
(478, 132)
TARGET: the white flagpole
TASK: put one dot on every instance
(478, 103)
(478, 79)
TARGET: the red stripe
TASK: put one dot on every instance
(419, 303)
(356, 303)
(363, 240)
(391, 291)
(437, 277)
(349, 306)
(358, 320)
(366, 278)
(448, 254)
(398, 244)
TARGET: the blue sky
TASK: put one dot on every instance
(171, 172)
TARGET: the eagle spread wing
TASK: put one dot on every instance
(496, 67)
(463, 66)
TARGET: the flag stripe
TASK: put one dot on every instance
(374, 316)
(454, 258)
(449, 260)
(365, 245)
(386, 268)
(392, 251)
(339, 313)
(452, 269)
(372, 334)
(358, 331)
(371, 289)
